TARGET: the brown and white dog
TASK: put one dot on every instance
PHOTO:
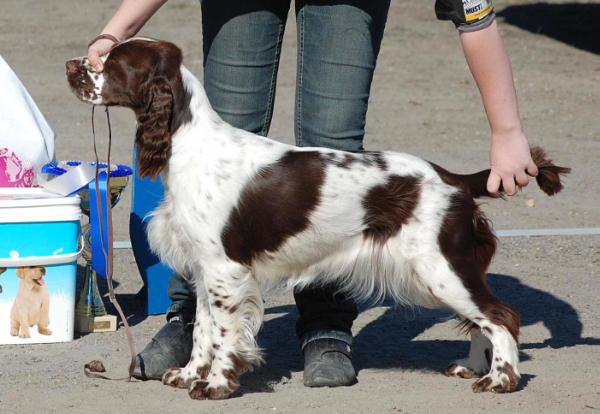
(32, 303)
(241, 211)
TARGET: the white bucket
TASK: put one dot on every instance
(39, 247)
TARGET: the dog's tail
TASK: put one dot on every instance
(548, 178)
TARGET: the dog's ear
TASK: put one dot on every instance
(153, 137)
(42, 270)
(21, 272)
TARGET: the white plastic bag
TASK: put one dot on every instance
(23, 129)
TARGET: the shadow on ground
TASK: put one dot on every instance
(132, 304)
(575, 24)
(389, 341)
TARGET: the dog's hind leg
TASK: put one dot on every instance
(469, 296)
(236, 312)
(201, 357)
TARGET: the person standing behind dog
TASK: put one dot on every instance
(338, 44)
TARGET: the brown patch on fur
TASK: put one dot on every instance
(274, 206)
(513, 378)
(239, 365)
(465, 372)
(218, 303)
(482, 385)
(468, 243)
(233, 308)
(203, 371)
(389, 206)
(232, 375)
(475, 184)
(233, 382)
(145, 76)
(153, 139)
(549, 174)
(196, 390)
(219, 393)
(172, 377)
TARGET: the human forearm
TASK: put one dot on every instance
(131, 16)
(126, 22)
(491, 69)
(510, 158)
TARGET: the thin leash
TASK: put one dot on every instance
(92, 368)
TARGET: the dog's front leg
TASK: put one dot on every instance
(44, 319)
(199, 364)
(478, 363)
(236, 312)
(14, 326)
(24, 320)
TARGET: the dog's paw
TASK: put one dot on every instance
(500, 380)
(24, 334)
(14, 332)
(202, 390)
(174, 377)
(183, 377)
(44, 331)
(456, 370)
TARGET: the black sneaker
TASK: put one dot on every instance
(170, 347)
(328, 363)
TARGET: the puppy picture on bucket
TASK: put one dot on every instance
(32, 303)
(36, 305)
(39, 247)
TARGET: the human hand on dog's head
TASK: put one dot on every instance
(97, 49)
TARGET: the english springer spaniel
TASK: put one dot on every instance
(242, 211)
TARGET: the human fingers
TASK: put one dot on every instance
(522, 179)
(97, 49)
(532, 169)
(493, 184)
(508, 183)
(94, 58)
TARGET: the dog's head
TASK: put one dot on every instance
(144, 75)
(34, 274)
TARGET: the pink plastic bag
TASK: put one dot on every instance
(15, 171)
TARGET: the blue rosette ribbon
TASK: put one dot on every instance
(100, 224)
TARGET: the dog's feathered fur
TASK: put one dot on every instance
(241, 210)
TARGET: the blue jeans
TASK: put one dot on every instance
(338, 44)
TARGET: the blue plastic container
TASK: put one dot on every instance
(39, 247)
(146, 196)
